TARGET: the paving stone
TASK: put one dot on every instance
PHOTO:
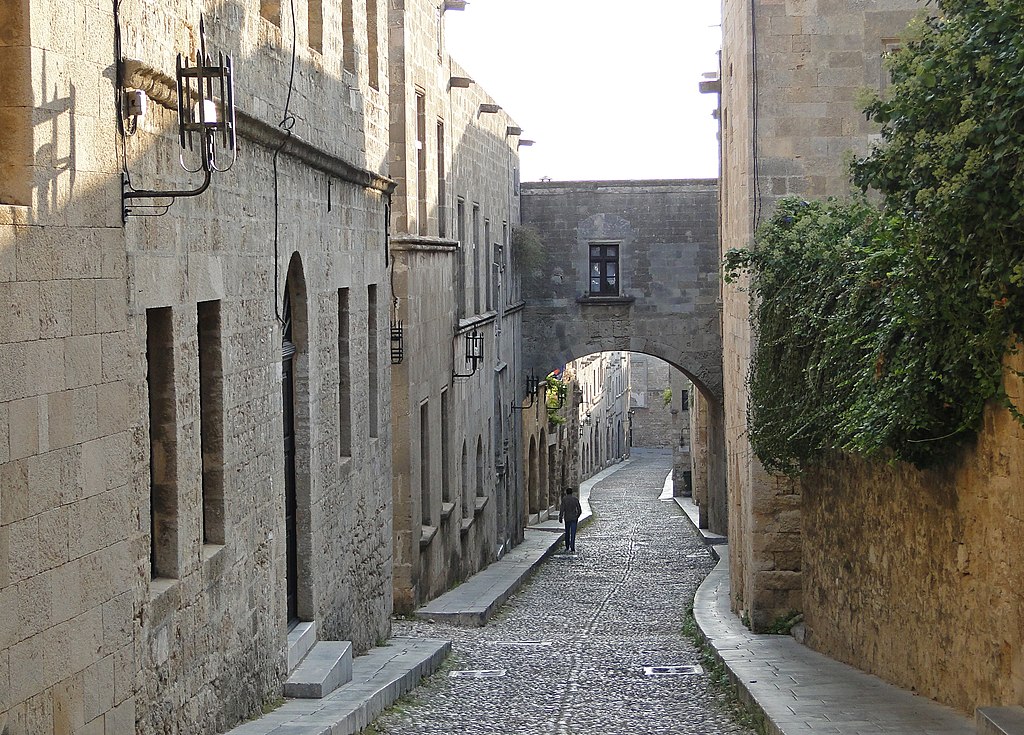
(608, 611)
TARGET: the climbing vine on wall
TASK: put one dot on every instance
(881, 328)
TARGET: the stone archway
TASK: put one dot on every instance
(654, 287)
(295, 424)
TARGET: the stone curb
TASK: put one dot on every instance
(801, 692)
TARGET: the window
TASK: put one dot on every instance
(504, 256)
(604, 269)
(425, 499)
(211, 422)
(446, 472)
(16, 106)
(488, 261)
(348, 43)
(315, 24)
(421, 162)
(460, 224)
(163, 444)
(372, 43)
(464, 488)
(442, 203)
(371, 355)
(271, 10)
(476, 258)
(344, 378)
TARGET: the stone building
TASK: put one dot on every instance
(195, 442)
(457, 488)
(651, 402)
(550, 445)
(914, 576)
(603, 413)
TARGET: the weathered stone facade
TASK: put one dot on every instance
(784, 130)
(603, 412)
(456, 480)
(914, 576)
(144, 533)
(549, 453)
(918, 577)
(666, 301)
(651, 417)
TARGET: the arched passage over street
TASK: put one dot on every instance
(629, 266)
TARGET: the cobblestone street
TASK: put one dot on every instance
(573, 643)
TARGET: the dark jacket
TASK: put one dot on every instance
(571, 509)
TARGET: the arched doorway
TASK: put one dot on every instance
(293, 391)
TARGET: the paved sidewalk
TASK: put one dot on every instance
(801, 691)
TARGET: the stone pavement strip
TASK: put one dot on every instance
(593, 644)
(801, 691)
(378, 679)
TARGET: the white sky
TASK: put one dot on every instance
(606, 88)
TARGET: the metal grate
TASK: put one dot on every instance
(672, 670)
(478, 674)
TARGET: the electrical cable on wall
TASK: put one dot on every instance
(287, 124)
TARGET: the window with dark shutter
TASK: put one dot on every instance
(604, 269)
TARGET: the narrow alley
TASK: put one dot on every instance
(568, 653)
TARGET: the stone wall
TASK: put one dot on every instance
(456, 482)
(669, 302)
(68, 516)
(143, 536)
(652, 422)
(918, 577)
(784, 130)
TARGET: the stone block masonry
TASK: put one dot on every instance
(145, 548)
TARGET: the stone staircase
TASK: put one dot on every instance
(316, 668)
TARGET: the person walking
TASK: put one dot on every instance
(570, 511)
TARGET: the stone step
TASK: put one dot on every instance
(326, 667)
(300, 640)
(1000, 720)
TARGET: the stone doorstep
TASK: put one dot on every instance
(1000, 720)
(326, 667)
(379, 678)
(301, 639)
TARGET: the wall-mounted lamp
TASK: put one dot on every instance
(474, 353)
(532, 389)
(453, 5)
(206, 123)
(489, 107)
(587, 419)
(512, 130)
(524, 143)
(460, 82)
(397, 343)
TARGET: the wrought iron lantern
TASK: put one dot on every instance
(397, 343)
(532, 389)
(474, 353)
(206, 123)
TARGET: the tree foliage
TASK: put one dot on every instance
(881, 328)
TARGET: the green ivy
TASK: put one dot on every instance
(881, 329)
